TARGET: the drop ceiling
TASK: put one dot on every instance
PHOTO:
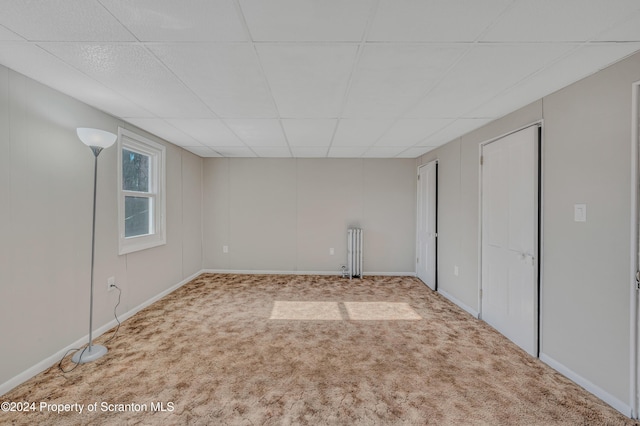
(313, 78)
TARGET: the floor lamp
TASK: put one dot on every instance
(97, 140)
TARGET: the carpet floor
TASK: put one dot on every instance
(316, 350)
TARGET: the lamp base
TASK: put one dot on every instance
(89, 354)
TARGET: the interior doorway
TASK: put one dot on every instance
(427, 235)
(510, 236)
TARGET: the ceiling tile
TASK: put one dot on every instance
(434, 20)
(272, 151)
(408, 132)
(346, 151)
(8, 35)
(485, 71)
(258, 132)
(577, 65)
(309, 151)
(415, 152)
(202, 151)
(62, 20)
(383, 152)
(391, 78)
(309, 132)
(627, 30)
(552, 20)
(164, 130)
(456, 129)
(132, 71)
(359, 132)
(208, 131)
(235, 151)
(170, 20)
(227, 77)
(30, 60)
(306, 20)
(308, 81)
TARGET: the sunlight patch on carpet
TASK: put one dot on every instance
(380, 311)
(310, 311)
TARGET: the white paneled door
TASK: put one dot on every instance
(509, 283)
(426, 240)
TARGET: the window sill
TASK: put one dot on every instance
(140, 243)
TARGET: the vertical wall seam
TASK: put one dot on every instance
(297, 214)
(181, 210)
(227, 260)
(202, 213)
(459, 197)
(362, 172)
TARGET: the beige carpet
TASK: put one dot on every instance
(241, 349)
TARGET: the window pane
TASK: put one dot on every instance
(135, 171)
(137, 214)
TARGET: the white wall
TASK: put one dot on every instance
(586, 271)
(285, 214)
(585, 309)
(46, 183)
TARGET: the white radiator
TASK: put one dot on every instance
(354, 252)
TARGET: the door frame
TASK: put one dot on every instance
(539, 273)
(418, 198)
(634, 355)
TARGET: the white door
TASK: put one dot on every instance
(426, 240)
(509, 286)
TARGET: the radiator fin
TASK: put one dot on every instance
(354, 252)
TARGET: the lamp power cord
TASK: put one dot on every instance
(115, 315)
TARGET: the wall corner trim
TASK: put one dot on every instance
(596, 390)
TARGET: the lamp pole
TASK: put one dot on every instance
(96, 140)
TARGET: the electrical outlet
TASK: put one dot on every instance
(343, 269)
(580, 212)
(111, 283)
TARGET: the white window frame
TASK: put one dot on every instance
(157, 153)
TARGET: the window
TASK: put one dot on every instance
(141, 201)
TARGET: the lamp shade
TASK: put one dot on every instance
(96, 137)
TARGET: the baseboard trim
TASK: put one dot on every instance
(458, 302)
(155, 298)
(270, 272)
(587, 385)
(55, 358)
(392, 274)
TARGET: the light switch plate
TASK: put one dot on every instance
(580, 212)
